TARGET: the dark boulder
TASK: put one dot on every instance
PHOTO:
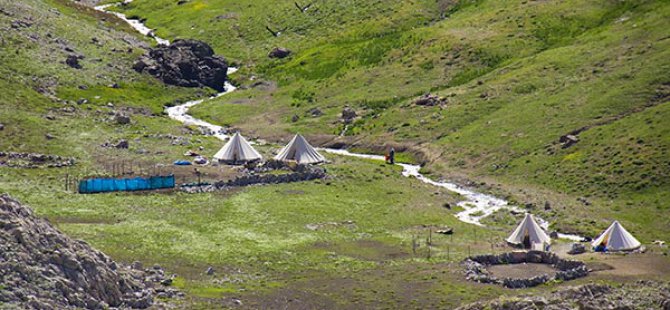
(187, 63)
(73, 61)
(315, 112)
(348, 114)
(568, 140)
(279, 52)
(122, 144)
(122, 118)
(430, 100)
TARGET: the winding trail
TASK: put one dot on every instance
(476, 206)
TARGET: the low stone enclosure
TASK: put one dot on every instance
(253, 177)
(34, 160)
(475, 268)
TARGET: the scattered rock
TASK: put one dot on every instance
(295, 118)
(21, 23)
(583, 200)
(122, 144)
(279, 52)
(122, 119)
(348, 114)
(638, 295)
(188, 63)
(430, 100)
(2, 127)
(49, 136)
(315, 112)
(210, 271)
(82, 101)
(568, 140)
(577, 248)
(73, 61)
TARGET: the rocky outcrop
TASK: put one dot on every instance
(188, 63)
(475, 268)
(40, 268)
(637, 295)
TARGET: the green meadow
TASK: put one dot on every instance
(515, 75)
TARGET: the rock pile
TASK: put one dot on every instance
(638, 295)
(475, 268)
(430, 100)
(34, 160)
(188, 63)
(40, 268)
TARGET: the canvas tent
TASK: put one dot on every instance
(529, 234)
(616, 238)
(301, 151)
(237, 150)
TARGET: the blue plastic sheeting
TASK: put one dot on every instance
(182, 163)
(103, 185)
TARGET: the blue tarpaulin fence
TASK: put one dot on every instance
(102, 185)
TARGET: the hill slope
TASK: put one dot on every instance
(517, 76)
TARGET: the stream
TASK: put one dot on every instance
(476, 206)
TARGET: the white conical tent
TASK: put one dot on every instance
(617, 238)
(531, 229)
(237, 150)
(301, 151)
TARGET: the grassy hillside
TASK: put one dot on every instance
(517, 77)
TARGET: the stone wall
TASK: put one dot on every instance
(34, 160)
(475, 268)
(300, 174)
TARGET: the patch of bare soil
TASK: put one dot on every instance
(520, 271)
(370, 250)
(635, 265)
